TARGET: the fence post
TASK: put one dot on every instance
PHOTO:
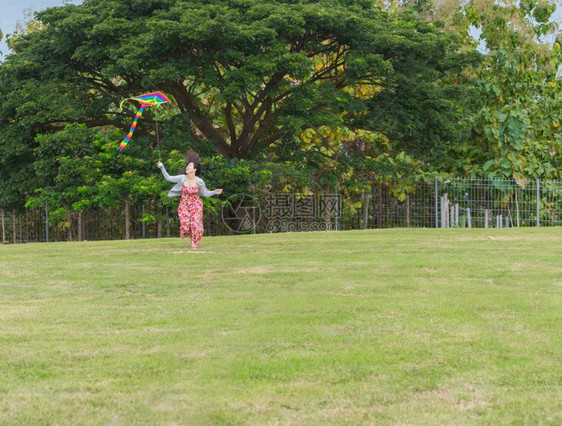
(3, 229)
(538, 204)
(14, 226)
(468, 218)
(47, 222)
(441, 217)
(517, 205)
(486, 218)
(337, 212)
(408, 211)
(143, 222)
(436, 203)
(457, 215)
(444, 208)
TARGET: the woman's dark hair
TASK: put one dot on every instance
(193, 157)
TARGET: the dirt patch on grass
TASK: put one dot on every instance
(253, 270)
(258, 270)
(17, 274)
(467, 398)
(17, 311)
(194, 354)
(501, 238)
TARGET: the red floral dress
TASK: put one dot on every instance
(190, 212)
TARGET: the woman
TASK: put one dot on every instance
(190, 186)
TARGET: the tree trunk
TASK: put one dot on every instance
(167, 222)
(21, 228)
(80, 227)
(69, 220)
(3, 229)
(127, 222)
(159, 229)
(328, 212)
(408, 211)
(366, 200)
(377, 191)
(14, 226)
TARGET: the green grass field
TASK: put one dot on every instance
(398, 326)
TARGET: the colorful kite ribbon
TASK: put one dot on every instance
(154, 98)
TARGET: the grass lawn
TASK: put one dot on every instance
(407, 326)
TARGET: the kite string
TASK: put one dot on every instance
(158, 141)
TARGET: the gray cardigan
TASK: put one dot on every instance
(179, 179)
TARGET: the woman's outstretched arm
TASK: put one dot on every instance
(205, 192)
(174, 179)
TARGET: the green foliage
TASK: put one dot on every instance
(242, 74)
(291, 95)
(517, 128)
(245, 79)
(80, 168)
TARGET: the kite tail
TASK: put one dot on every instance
(132, 130)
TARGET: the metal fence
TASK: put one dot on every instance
(500, 203)
(440, 203)
(39, 225)
(470, 203)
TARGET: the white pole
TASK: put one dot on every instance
(436, 205)
(538, 203)
(457, 215)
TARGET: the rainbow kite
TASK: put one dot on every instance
(150, 99)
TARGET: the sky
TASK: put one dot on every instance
(12, 11)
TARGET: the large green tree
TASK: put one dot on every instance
(242, 74)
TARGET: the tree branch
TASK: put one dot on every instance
(230, 123)
(189, 103)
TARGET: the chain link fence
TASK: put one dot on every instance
(440, 203)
